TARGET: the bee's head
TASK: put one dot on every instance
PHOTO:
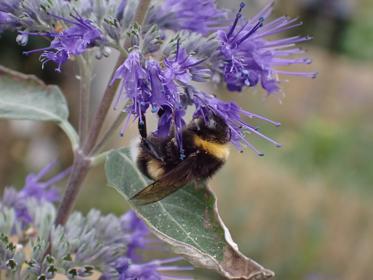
(214, 129)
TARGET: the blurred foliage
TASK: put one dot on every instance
(339, 154)
(360, 38)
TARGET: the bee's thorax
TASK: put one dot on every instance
(220, 151)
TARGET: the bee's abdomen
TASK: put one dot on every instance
(206, 165)
(155, 169)
(142, 163)
(149, 166)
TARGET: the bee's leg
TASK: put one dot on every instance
(142, 127)
(152, 148)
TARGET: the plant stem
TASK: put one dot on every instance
(141, 11)
(110, 131)
(101, 113)
(111, 90)
(80, 170)
(81, 163)
(84, 96)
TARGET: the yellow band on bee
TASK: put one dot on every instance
(220, 151)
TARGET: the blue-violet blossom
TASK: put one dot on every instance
(249, 59)
(72, 41)
(152, 270)
(34, 188)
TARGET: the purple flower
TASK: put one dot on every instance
(134, 86)
(43, 191)
(36, 189)
(250, 59)
(152, 86)
(160, 95)
(232, 114)
(177, 75)
(200, 16)
(149, 271)
(11, 199)
(136, 233)
(184, 68)
(165, 96)
(72, 41)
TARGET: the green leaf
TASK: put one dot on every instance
(188, 220)
(25, 97)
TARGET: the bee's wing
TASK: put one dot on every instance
(167, 184)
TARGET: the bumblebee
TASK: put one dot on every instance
(205, 150)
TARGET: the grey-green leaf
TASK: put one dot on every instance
(188, 220)
(24, 97)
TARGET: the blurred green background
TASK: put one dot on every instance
(304, 210)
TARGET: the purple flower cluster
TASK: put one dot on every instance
(249, 59)
(242, 57)
(118, 241)
(72, 26)
(72, 41)
(161, 68)
(146, 84)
